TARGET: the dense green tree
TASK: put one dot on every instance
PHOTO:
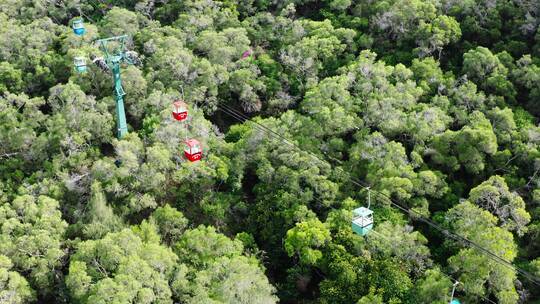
(76, 119)
(391, 172)
(305, 238)
(29, 48)
(434, 287)
(119, 21)
(10, 77)
(467, 147)
(494, 196)
(223, 47)
(200, 246)
(32, 234)
(14, 288)
(433, 36)
(399, 18)
(331, 105)
(527, 76)
(371, 299)
(486, 70)
(228, 280)
(213, 270)
(170, 223)
(20, 129)
(429, 75)
(100, 217)
(315, 50)
(121, 268)
(475, 269)
(400, 242)
(504, 124)
(430, 103)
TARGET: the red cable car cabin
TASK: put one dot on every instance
(179, 110)
(193, 150)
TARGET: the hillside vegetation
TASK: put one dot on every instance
(299, 105)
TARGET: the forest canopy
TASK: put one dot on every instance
(424, 111)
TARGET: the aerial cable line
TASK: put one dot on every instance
(440, 271)
(420, 216)
(242, 118)
(62, 4)
(454, 236)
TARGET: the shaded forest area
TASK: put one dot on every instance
(298, 105)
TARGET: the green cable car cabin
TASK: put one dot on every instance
(362, 221)
(80, 64)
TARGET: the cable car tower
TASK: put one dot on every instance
(114, 49)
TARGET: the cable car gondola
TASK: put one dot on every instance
(179, 111)
(193, 150)
(362, 221)
(78, 27)
(80, 64)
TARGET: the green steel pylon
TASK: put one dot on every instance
(114, 49)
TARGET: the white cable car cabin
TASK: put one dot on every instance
(80, 64)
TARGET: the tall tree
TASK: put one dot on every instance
(32, 238)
